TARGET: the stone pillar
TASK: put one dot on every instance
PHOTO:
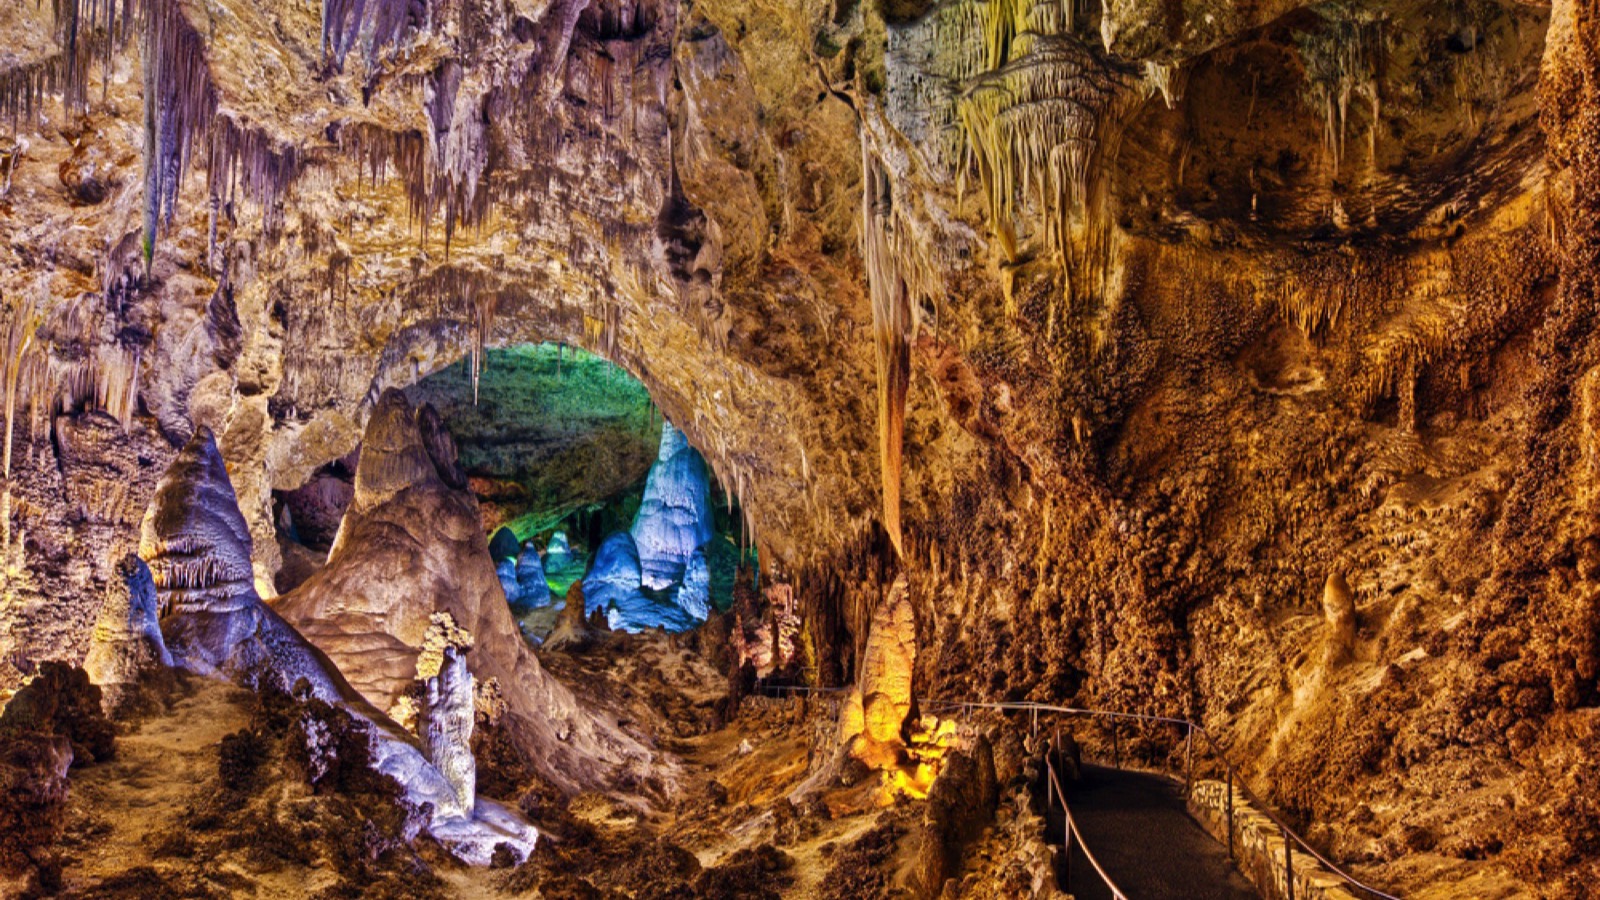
(445, 721)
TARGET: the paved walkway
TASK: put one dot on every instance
(1140, 832)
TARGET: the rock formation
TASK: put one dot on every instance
(127, 636)
(572, 633)
(506, 571)
(693, 595)
(533, 591)
(503, 545)
(886, 671)
(674, 520)
(1339, 612)
(559, 560)
(1113, 328)
(446, 717)
(409, 547)
(196, 545)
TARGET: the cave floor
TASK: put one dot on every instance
(130, 817)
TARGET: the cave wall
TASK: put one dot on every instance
(1193, 307)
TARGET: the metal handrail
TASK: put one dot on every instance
(1234, 780)
(1070, 832)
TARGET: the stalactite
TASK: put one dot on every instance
(1341, 61)
(19, 330)
(23, 89)
(377, 23)
(892, 328)
(181, 115)
(1038, 127)
(1163, 79)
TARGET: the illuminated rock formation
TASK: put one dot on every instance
(1339, 613)
(674, 520)
(197, 547)
(533, 591)
(445, 719)
(886, 669)
(127, 636)
(410, 547)
(506, 571)
(613, 586)
(1114, 328)
(693, 596)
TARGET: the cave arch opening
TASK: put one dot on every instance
(580, 480)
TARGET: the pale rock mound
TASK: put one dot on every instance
(127, 636)
(533, 591)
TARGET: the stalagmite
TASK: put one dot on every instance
(885, 677)
(1339, 613)
(198, 549)
(411, 546)
(127, 636)
(445, 720)
(533, 591)
(674, 518)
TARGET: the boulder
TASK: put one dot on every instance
(127, 636)
(33, 796)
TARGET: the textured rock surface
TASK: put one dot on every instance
(886, 672)
(445, 719)
(410, 547)
(127, 635)
(196, 544)
(1144, 343)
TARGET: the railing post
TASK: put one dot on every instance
(1116, 751)
(1036, 724)
(1066, 853)
(1188, 765)
(1230, 811)
(1288, 865)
